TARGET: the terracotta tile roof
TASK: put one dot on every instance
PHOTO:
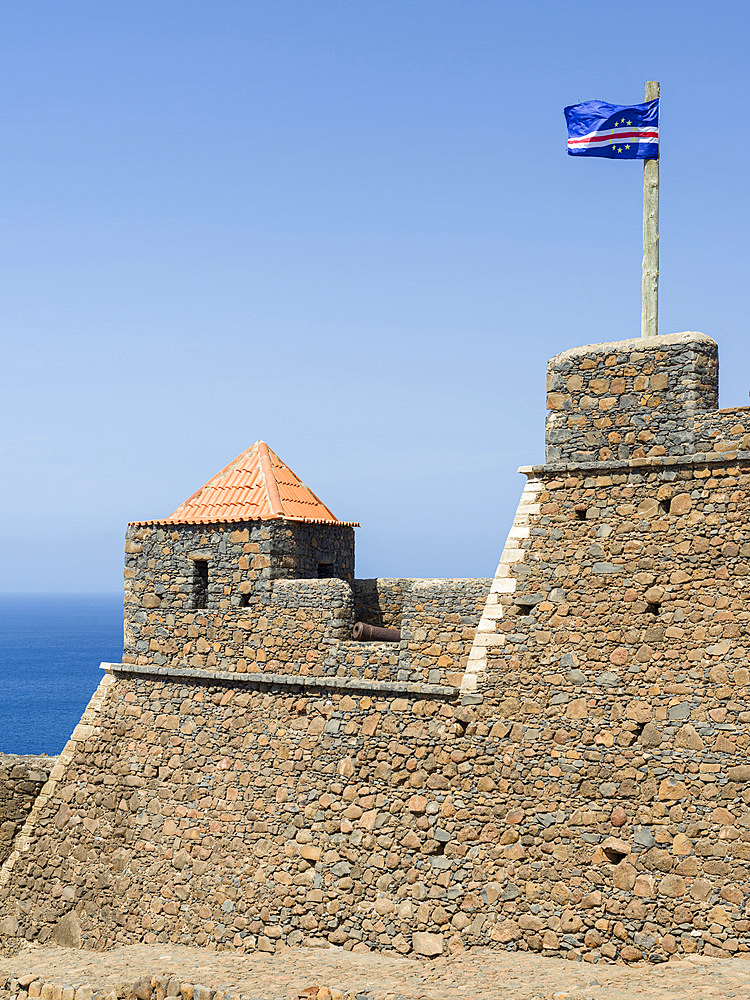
(257, 485)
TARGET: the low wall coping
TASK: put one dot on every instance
(632, 344)
(647, 462)
(409, 688)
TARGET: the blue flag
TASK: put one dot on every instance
(619, 131)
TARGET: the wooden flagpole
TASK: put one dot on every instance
(650, 286)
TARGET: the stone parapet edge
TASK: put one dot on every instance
(649, 462)
(631, 344)
(407, 688)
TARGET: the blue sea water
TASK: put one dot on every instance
(50, 650)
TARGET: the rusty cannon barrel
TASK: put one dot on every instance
(364, 632)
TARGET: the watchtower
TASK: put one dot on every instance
(254, 522)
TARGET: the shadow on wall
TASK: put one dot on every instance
(380, 601)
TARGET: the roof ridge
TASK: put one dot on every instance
(272, 487)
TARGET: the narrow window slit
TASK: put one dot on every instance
(200, 583)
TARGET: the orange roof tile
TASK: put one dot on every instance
(257, 485)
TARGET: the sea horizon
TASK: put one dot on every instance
(51, 646)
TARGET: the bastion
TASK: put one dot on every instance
(553, 760)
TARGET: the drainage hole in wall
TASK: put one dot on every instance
(653, 608)
(244, 600)
(580, 513)
(665, 505)
(639, 727)
(613, 856)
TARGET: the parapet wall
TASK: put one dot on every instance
(305, 627)
(380, 602)
(21, 780)
(630, 398)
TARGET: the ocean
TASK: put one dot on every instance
(51, 646)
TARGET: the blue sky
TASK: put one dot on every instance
(350, 229)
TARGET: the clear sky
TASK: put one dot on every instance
(350, 229)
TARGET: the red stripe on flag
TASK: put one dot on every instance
(620, 137)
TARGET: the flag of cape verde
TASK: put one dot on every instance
(619, 131)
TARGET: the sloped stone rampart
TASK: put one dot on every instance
(21, 780)
(243, 818)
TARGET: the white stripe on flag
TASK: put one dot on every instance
(596, 138)
(617, 131)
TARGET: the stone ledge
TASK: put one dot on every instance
(408, 688)
(664, 341)
(648, 462)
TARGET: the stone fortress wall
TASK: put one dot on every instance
(21, 780)
(305, 626)
(572, 780)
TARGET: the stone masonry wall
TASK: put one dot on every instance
(380, 602)
(294, 627)
(305, 626)
(630, 398)
(621, 666)
(243, 561)
(21, 780)
(722, 433)
(438, 625)
(215, 813)
(588, 795)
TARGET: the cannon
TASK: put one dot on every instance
(375, 633)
